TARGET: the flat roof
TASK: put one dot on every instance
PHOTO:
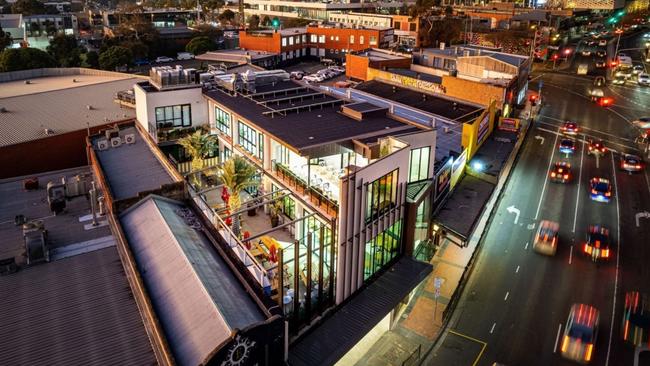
(131, 168)
(453, 110)
(474, 51)
(52, 313)
(495, 151)
(464, 205)
(380, 55)
(59, 105)
(303, 129)
(197, 297)
(62, 229)
(343, 329)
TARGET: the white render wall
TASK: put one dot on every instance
(146, 111)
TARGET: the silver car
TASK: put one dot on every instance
(643, 79)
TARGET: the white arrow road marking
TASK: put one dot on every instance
(492, 329)
(644, 214)
(540, 138)
(514, 210)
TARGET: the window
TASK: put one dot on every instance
(381, 250)
(321, 39)
(352, 39)
(336, 38)
(361, 40)
(331, 38)
(304, 38)
(419, 166)
(397, 25)
(284, 42)
(223, 120)
(290, 41)
(412, 27)
(251, 140)
(297, 39)
(381, 195)
(314, 38)
(373, 40)
(174, 116)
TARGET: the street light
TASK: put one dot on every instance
(618, 31)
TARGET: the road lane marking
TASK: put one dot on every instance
(557, 337)
(483, 344)
(571, 254)
(596, 137)
(647, 181)
(550, 162)
(618, 251)
(506, 298)
(517, 270)
(575, 214)
(492, 329)
(584, 128)
(526, 247)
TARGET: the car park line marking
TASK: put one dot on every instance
(618, 251)
(517, 270)
(526, 247)
(550, 162)
(506, 298)
(571, 254)
(575, 214)
(557, 337)
(493, 326)
(483, 344)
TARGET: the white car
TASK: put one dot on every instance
(643, 122)
(638, 69)
(310, 79)
(647, 35)
(162, 59)
(184, 56)
(338, 68)
(643, 79)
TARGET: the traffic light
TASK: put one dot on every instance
(275, 23)
(555, 56)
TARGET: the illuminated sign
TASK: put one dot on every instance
(483, 127)
(443, 178)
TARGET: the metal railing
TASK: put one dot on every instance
(414, 357)
(315, 195)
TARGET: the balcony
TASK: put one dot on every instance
(321, 197)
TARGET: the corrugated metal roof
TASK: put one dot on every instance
(74, 311)
(60, 111)
(332, 339)
(194, 293)
(131, 168)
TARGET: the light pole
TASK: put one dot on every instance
(618, 40)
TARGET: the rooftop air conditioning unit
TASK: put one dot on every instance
(102, 145)
(129, 139)
(116, 142)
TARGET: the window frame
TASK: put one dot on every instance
(179, 115)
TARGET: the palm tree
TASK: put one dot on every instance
(198, 145)
(237, 174)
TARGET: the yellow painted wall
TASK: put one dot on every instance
(470, 138)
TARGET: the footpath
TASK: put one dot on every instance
(423, 321)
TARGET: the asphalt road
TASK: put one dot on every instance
(515, 305)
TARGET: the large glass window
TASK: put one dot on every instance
(251, 140)
(381, 195)
(373, 41)
(223, 120)
(174, 116)
(381, 250)
(419, 166)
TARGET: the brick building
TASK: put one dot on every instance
(323, 41)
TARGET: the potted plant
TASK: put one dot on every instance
(274, 212)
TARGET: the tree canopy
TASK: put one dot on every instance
(5, 39)
(254, 22)
(200, 45)
(114, 57)
(28, 7)
(15, 59)
(65, 50)
(228, 16)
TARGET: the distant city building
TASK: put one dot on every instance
(314, 10)
(406, 28)
(595, 4)
(39, 29)
(13, 24)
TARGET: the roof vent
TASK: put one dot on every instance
(3, 110)
(49, 131)
(27, 82)
(89, 107)
(74, 80)
(311, 137)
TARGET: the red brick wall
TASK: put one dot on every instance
(51, 153)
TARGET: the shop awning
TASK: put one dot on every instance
(341, 331)
(464, 206)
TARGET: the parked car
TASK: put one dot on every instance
(142, 62)
(297, 75)
(162, 59)
(184, 56)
